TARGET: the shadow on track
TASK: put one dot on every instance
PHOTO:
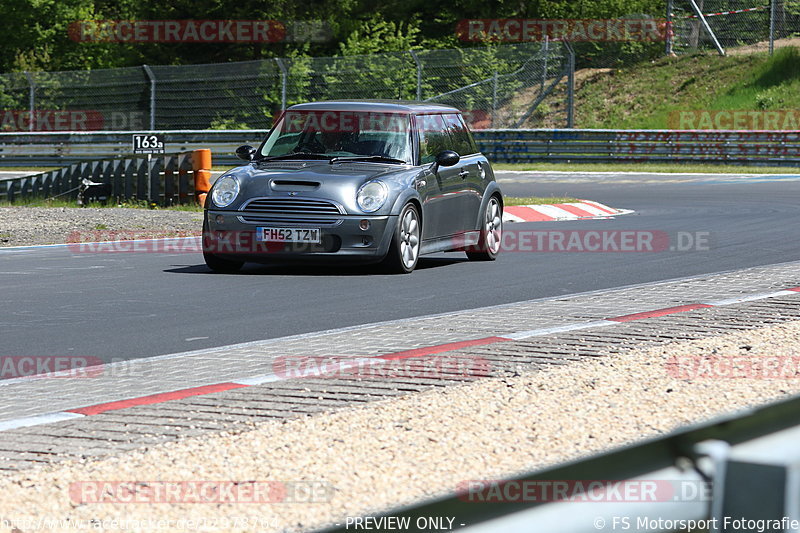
(255, 269)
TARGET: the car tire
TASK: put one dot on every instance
(404, 249)
(213, 261)
(490, 240)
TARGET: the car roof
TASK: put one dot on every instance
(383, 106)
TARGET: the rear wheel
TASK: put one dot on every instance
(404, 250)
(491, 233)
(213, 261)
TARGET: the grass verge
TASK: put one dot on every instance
(643, 96)
(32, 170)
(131, 204)
(667, 168)
(536, 200)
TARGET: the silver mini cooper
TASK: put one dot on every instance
(358, 181)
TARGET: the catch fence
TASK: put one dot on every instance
(493, 85)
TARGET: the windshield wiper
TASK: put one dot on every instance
(298, 155)
(375, 158)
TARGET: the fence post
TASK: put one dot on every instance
(150, 76)
(772, 9)
(494, 98)
(668, 29)
(284, 75)
(570, 87)
(704, 22)
(31, 100)
(154, 170)
(419, 73)
(546, 50)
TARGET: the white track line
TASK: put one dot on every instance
(750, 298)
(37, 420)
(558, 329)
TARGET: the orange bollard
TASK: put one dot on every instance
(201, 165)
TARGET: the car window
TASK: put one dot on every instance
(463, 143)
(433, 137)
(341, 134)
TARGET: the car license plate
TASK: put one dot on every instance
(307, 235)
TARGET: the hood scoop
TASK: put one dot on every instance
(282, 164)
(294, 185)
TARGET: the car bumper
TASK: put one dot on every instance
(230, 237)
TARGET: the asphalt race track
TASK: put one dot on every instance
(121, 306)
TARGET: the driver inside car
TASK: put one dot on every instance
(328, 141)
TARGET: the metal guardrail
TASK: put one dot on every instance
(60, 148)
(772, 148)
(168, 180)
(763, 148)
(744, 466)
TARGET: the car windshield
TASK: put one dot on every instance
(341, 134)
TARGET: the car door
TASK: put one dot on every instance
(472, 172)
(441, 210)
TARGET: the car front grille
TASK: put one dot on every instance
(292, 211)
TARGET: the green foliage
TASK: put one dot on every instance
(376, 34)
(538, 200)
(467, 66)
(645, 95)
(227, 123)
(34, 33)
(782, 67)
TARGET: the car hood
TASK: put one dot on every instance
(318, 179)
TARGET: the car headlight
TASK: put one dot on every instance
(371, 196)
(226, 189)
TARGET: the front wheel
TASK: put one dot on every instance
(491, 233)
(404, 250)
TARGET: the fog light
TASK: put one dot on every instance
(219, 219)
(364, 225)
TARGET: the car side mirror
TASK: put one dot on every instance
(246, 152)
(445, 158)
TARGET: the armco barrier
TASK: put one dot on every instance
(772, 148)
(763, 148)
(165, 180)
(59, 148)
(729, 473)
